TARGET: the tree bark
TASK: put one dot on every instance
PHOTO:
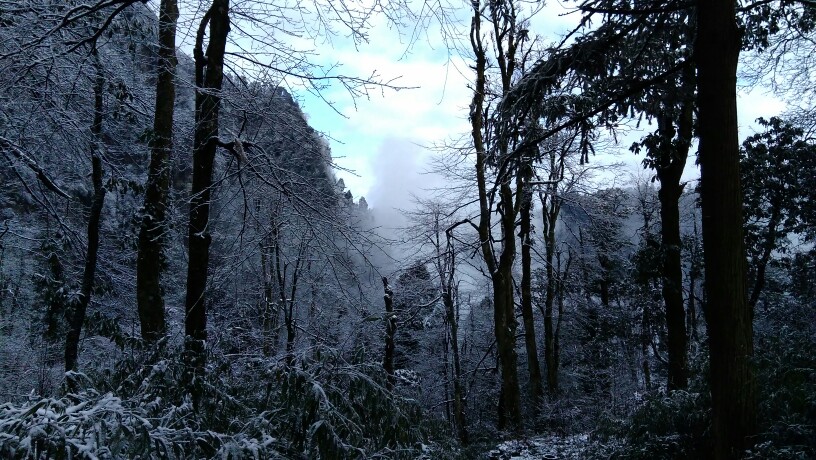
(209, 77)
(80, 305)
(728, 315)
(149, 264)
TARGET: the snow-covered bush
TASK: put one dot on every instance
(330, 407)
(90, 425)
(665, 427)
(314, 405)
(785, 357)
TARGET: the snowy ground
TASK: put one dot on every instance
(542, 448)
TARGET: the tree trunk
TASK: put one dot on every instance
(288, 304)
(290, 333)
(390, 332)
(501, 275)
(605, 281)
(446, 269)
(269, 309)
(458, 388)
(559, 295)
(728, 315)
(149, 264)
(669, 195)
(505, 330)
(551, 209)
(80, 306)
(446, 370)
(536, 387)
(209, 77)
(767, 249)
(671, 162)
(694, 275)
(645, 340)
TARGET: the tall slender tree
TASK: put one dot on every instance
(551, 193)
(79, 307)
(500, 266)
(728, 315)
(671, 105)
(149, 266)
(209, 76)
(525, 188)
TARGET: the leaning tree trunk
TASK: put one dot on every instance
(727, 312)
(209, 77)
(149, 266)
(80, 306)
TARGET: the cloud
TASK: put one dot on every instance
(432, 110)
(400, 170)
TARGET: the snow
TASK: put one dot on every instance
(542, 448)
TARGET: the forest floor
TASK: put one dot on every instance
(542, 448)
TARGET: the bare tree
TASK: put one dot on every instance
(503, 19)
(149, 267)
(433, 232)
(80, 306)
(559, 179)
(209, 76)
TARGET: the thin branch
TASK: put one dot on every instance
(8, 146)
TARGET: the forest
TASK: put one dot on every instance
(184, 274)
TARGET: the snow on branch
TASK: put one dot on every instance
(8, 146)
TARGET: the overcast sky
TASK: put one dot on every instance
(385, 138)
